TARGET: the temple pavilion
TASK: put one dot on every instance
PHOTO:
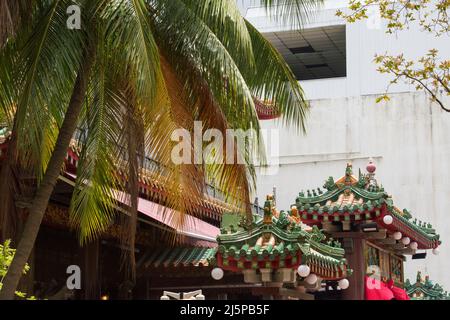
(425, 289)
(287, 258)
(376, 235)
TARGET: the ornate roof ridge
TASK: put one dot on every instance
(425, 289)
(284, 226)
(351, 199)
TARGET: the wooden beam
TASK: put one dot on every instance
(381, 234)
(407, 251)
(329, 227)
(296, 293)
(265, 291)
(356, 259)
(91, 256)
(398, 246)
(388, 241)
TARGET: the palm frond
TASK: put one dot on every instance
(225, 20)
(94, 201)
(211, 76)
(47, 63)
(294, 12)
(183, 36)
(274, 81)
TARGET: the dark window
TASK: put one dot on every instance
(313, 53)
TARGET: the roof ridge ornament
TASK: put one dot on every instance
(371, 182)
(348, 173)
(268, 210)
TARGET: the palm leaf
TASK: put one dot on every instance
(93, 201)
(225, 20)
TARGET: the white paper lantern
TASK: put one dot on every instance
(436, 251)
(217, 273)
(199, 297)
(413, 245)
(303, 270)
(388, 219)
(397, 235)
(165, 298)
(406, 240)
(343, 284)
(311, 279)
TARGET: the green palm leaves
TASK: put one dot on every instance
(221, 63)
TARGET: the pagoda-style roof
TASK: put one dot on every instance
(424, 289)
(277, 241)
(179, 257)
(266, 110)
(355, 200)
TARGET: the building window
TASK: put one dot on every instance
(315, 53)
(397, 270)
(372, 257)
(384, 264)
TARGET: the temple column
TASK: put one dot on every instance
(354, 253)
(90, 272)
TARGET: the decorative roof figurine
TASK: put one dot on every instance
(424, 289)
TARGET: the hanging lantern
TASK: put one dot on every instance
(217, 273)
(311, 279)
(303, 270)
(343, 284)
(413, 245)
(436, 251)
(164, 298)
(387, 219)
(406, 240)
(397, 235)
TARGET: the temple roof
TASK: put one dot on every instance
(359, 199)
(277, 240)
(424, 289)
(178, 257)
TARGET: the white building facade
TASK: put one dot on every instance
(408, 137)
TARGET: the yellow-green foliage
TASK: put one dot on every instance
(6, 257)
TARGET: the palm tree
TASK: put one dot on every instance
(147, 67)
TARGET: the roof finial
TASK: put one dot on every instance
(268, 209)
(371, 167)
(274, 194)
(348, 174)
(349, 169)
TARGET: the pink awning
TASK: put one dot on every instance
(187, 225)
